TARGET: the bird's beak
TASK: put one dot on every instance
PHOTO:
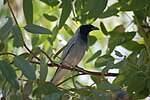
(95, 28)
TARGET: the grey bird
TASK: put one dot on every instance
(74, 51)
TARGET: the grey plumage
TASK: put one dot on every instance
(74, 51)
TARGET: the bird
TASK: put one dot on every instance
(74, 51)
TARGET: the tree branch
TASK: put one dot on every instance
(21, 34)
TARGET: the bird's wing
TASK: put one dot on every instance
(68, 48)
(61, 72)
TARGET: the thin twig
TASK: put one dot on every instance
(69, 79)
(21, 34)
(7, 53)
(37, 52)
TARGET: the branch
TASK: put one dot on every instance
(37, 52)
(69, 78)
(78, 69)
(7, 53)
(21, 34)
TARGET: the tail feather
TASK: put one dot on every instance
(59, 74)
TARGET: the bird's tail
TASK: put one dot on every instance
(59, 74)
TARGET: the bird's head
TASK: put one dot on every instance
(86, 28)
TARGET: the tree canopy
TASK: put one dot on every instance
(33, 33)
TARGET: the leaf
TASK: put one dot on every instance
(6, 29)
(50, 17)
(58, 52)
(109, 65)
(136, 82)
(119, 38)
(121, 64)
(96, 80)
(102, 61)
(9, 73)
(27, 89)
(107, 86)
(35, 29)
(111, 11)
(91, 40)
(51, 2)
(66, 10)
(94, 56)
(21, 63)
(133, 5)
(68, 29)
(103, 28)
(148, 82)
(97, 9)
(117, 53)
(55, 32)
(18, 42)
(2, 45)
(54, 96)
(47, 88)
(133, 46)
(28, 11)
(141, 58)
(43, 72)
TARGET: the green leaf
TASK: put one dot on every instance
(91, 40)
(96, 80)
(35, 29)
(55, 32)
(47, 88)
(119, 79)
(119, 38)
(18, 42)
(50, 17)
(6, 29)
(68, 29)
(109, 65)
(133, 46)
(16, 96)
(21, 63)
(111, 11)
(141, 58)
(28, 11)
(108, 86)
(117, 53)
(136, 82)
(2, 45)
(121, 64)
(148, 82)
(9, 73)
(94, 56)
(54, 96)
(103, 28)
(66, 10)
(97, 9)
(51, 2)
(133, 5)
(5, 1)
(27, 89)
(58, 52)
(102, 61)
(43, 72)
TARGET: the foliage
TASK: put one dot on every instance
(29, 49)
